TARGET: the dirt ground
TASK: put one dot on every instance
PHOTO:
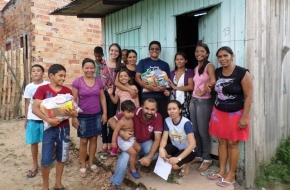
(15, 161)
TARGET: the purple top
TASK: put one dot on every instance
(89, 97)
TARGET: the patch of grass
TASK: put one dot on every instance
(2, 144)
(277, 171)
(172, 179)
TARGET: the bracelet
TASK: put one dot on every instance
(150, 156)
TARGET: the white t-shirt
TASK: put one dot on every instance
(178, 132)
(29, 92)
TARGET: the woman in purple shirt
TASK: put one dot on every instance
(89, 94)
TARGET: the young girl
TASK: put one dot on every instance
(122, 95)
(108, 79)
(201, 105)
(131, 67)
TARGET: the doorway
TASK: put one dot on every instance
(187, 34)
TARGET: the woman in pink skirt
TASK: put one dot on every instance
(230, 115)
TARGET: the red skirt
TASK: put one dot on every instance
(226, 125)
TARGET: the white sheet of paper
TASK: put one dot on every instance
(162, 168)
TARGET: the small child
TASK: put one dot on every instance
(124, 79)
(122, 95)
(99, 62)
(33, 125)
(130, 146)
(58, 136)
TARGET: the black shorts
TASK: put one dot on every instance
(175, 152)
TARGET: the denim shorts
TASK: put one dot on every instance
(33, 131)
(90, 125)
(55, 137)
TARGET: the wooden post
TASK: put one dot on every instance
(1, 79)
(13, 86)
(4, 94)
(8, 102)
(17, 91)
(22, 74)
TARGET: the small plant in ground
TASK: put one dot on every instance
(277, 171)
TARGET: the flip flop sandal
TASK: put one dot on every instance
(62, 188)
(83, 172)
(204, 166)
(208, 172)
(211, 177)
(31, 174)
(227, 183)
(95, 169)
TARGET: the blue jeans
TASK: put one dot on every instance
(200, 112)
(121, 167)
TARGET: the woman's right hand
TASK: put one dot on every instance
(133, 93)
(75, 122)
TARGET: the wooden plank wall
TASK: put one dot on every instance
(11, 99)
(266, 55)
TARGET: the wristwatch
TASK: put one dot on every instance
(179, 159)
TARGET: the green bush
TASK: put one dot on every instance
(277, 171)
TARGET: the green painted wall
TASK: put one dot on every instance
(135, 26)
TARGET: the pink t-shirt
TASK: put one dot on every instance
(88, 96)
(125, 95)
(200, 81)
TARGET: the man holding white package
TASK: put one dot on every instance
(152, 90)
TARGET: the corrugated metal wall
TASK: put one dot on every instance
(267, 57)
(155, 20)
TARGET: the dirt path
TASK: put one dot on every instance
(15, 161)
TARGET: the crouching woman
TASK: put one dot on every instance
(179, 129)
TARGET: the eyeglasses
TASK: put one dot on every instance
(201, 52)
(152, 49)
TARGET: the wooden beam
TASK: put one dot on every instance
(120, 2)
(90, 16)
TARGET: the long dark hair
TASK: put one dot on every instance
(119, 58)
(183, 55)
(205, 62)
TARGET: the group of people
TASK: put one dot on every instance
(174, 122)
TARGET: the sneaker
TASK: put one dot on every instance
(136, 175)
